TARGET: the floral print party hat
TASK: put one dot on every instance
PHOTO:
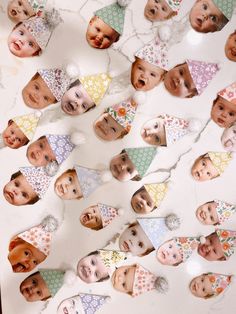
(96, 86)
(229, 93)
(41, 28)
(108, 213)
(114, 15)
(219, 282)
(157, 192)
(28, 123)
(141, 157)
(37, 178)
(38, 5)
(227, 240)
(41, 236)
(226, 7)
(187, 245)
(174, 4)
(145, 281)
(54, 279)
(123, 113)
(155, 53)
(156, 228)
(220, 160)
(202, 73)
(224, 210)
(112, 259)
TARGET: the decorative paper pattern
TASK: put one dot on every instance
(157, 192)
(28, 124)
(228, 241)
(226, 7)
(53, 279)
(108, 213)
(144, 281)
(220, 160)
(61, 146)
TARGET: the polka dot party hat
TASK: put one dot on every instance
(108, 213)
(220, 160)
(224, 210)
(114, 15)
(141, 157)
(54, 279)
(157, 192)
(227, 240)
(41, 236)
(202, 73)
(219, 282)
(28, 123)
(229, 93)
(226, 7)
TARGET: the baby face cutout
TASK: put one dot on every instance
(122, 167)
(207, 213)
(34, 288)
(230, 47)
(153, 132)
(91, 269)
(91, 218)
(169, 253)
(39, 153)
(228, 139)
(158, 10)
(203, 169)
(201, 286)
(134, 240)
(107, 128)
(67, 186)
(211, 250)
(76, 101)
(145, 76)
(123, 278)
(99, 34)
(19, 10)
(205, 16)
(141, 202)
(223, 112)
(70, 306)
(13, 137)
(21, 43)
(23, 256)
(18, 191)
(36, 94)
(178, 81)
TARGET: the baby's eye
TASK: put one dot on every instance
(204, 6)
(34, 282)
(163, 9)
(129, 170)
(18, 139)
(123, 285)
(203, 289)
(107, 37)
(45, 98)
(170, 246)
(74, 191)
(140, 244)
(133, 232)
(77, 95)
(123, 158)
(208, 173)
(41, 145)
(17, 184)
(125, 272)
(202, 280)
(12, 132)
(213, 18)
(35, 262)
(203, 163)
(93, 262)
(186, 85)
(234, 131)
(113, 129)
(24, 194)
(181, 72)
(84, 106)
(156, 126)
(153, 74)
(20, 3)
(157, 1)
(25, 13)
(211, 217)
(70, 179)
(96, 274)
(26, 253)
(157, 138)
(214, 250)
(46, 157)
(36, 87)
(231, 114)
(221, 107)
(31, 44)
(149, 204)
(98, 29)
(39, 293)
(21, 32)
(139, 67)
(174, 256)
(106, 119)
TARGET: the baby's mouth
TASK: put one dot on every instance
(69, 107)
(125, 246)
(32, 98)
(140, 83)
(85, 218)
(9, 196)
(221, 121)
(198, 21)
(16, 46)
(18, 268)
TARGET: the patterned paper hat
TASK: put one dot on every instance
(114, 15)
(37, 5)
(187, 245)
(91, 303)
(41, 236)
(144, 281)
(175, 128)
(41, 28)
(28, 123)
(174, 4)
(220, 160)
(108, 213)
(112, 258)
(141, 157)
(224, 210)
(96, 86)
(155, 53)
(156, 228)
(123, 113)
(226, 7)
(202, 73)
(219, 282)
(54, 279)
(37, 178)
(57, 81)
(229, 93)
(157, 192)
(227, 240)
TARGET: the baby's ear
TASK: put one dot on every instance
(14, 242)
(92, 20)
(10, 122)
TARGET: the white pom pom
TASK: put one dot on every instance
(108, 299)
(70, 277)
(120, 211)
(113, 73)
(106, 176)
(77, 138)
(50, 223)
(52, 168)
(202, 239)
(72, 70)
(194, 125)
(172, 222)
(164, 33)
(37, 113)
(161, 285)
(123, 3)
(140, 97)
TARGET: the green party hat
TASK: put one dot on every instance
(226, 7)
(54, 279)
